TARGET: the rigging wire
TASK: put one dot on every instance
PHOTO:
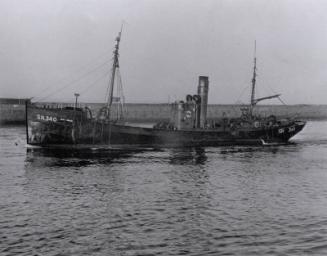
(121, 94)
(281, 100)
(75, 81)
(118, 96)
(95, 82)
(274, 92)
(80, 69)
(236, 109)
(106, 97)
(242, 92)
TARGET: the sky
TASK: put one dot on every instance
(51, 49)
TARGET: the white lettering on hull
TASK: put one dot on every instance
(51, 118)
(46, 118)
(291, 129)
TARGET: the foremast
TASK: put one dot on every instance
(115, 66)
(252, 102)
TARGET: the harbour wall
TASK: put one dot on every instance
(12, 111)
(15, 113)
(157, 112)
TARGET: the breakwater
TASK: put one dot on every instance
(157, 112)
(14, 112)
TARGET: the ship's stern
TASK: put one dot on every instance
(44, 126)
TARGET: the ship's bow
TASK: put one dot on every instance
(294, 129)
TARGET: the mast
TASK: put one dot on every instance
(26, 121)
(253, 102)
(115, 65)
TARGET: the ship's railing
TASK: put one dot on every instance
(52, 105)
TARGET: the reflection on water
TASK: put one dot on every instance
(182, 156)
(187, 156)
(84, 157)
(250, 151)
(75, 158)
(191, 201)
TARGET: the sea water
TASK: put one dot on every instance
(204, 201)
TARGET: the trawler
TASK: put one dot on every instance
(188, 126)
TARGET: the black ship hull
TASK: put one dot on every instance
(72, 127)
(188, 125)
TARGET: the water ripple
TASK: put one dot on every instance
(202, 201)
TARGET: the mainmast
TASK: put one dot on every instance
(254, 101)
(115, 65)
